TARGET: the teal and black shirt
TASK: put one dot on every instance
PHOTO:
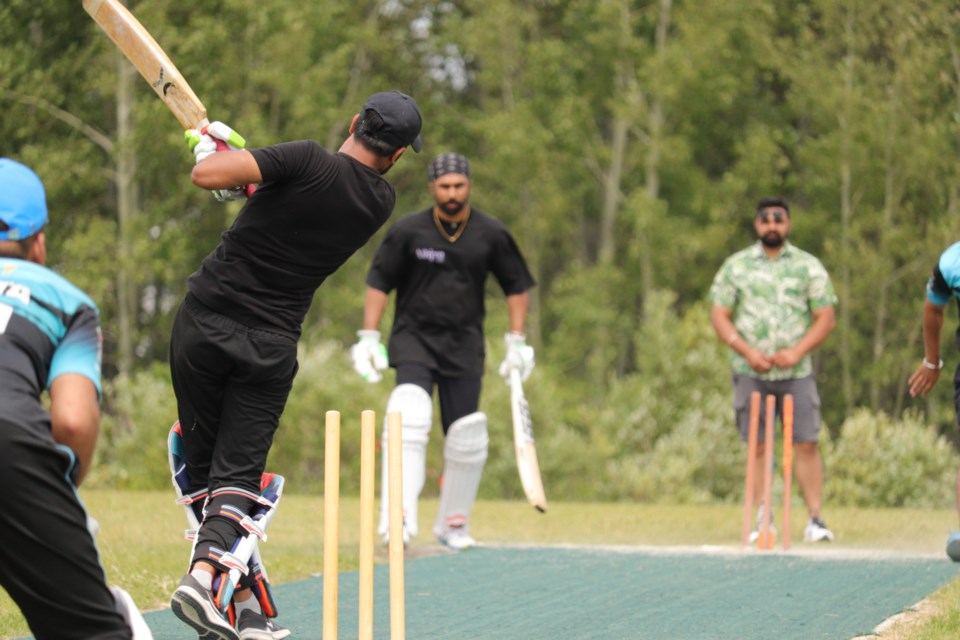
(48, 327)
(944, 281)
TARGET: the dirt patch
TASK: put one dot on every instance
(902, 625)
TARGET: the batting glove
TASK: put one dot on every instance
(519, 356)
(216, 137)
(369, 355)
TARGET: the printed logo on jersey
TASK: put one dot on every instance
(14, 290)
(436, 256)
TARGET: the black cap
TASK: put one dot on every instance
(401, 119)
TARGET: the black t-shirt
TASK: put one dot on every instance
(439, 314)
(312, 211)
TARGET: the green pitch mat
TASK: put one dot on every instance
(506, 593)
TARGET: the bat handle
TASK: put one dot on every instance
(223, 146)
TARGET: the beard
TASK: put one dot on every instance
(452, 207)
(772, 239)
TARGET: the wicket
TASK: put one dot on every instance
(331, 520)
(766, 538)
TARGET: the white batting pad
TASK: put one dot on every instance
(464, 453)
(416, 412)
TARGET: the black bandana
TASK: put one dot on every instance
(448, 163)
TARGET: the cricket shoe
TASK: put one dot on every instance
(194, 605)
(755, 534)
(953, 546)
(406, 538)
(817, 531)
(456, 539)
(256, 626)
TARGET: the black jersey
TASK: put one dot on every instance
(439, 314)
(312, 211)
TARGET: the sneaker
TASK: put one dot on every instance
(755, 534)
(256, 626)
(953, 546)
(456, 539)
(817, 531)
(406, 538)
(194, 605)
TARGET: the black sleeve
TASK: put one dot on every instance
(289, 160)
(387, 269)
(508, 266)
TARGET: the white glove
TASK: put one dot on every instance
(369, 355)
(216, 137)
(519, 356)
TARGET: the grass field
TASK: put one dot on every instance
(143, 550)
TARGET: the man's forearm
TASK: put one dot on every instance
(517, 306)
(823, 323)
(374, 305)
(932, 327)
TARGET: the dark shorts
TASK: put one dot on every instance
(806, 405)
(49, 563)
(458, 396)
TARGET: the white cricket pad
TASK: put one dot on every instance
(464, 453)
(416, 413)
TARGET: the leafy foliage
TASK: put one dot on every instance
(624, 144)
(896, 463)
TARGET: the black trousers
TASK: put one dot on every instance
(231, 384)
(49, 563)
(458, 396)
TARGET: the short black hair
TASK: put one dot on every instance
(365, 132)
(772, 201)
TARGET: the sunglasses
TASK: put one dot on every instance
(776, 216)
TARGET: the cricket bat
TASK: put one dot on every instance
(525, 446)
(148, 57)
(157, 69)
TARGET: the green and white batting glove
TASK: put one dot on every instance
(369, 355)
(216, 137)
(519, 356)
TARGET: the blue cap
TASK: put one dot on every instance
(23, 201)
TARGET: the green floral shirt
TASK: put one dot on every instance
(773, 302)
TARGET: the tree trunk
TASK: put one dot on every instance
(846, 215)
(126, 169)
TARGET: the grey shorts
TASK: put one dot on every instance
(806, 405)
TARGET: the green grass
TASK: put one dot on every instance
(143, 549)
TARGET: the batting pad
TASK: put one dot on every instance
(416, 412)
(464, 453)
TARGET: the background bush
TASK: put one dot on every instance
(662, 433)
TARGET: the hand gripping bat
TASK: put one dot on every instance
(148, 57)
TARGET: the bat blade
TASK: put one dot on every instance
(526, 449)
(148, 57)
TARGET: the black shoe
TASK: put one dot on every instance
(193, 604)
(256, 626)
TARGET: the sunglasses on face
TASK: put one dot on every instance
(775, 216)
